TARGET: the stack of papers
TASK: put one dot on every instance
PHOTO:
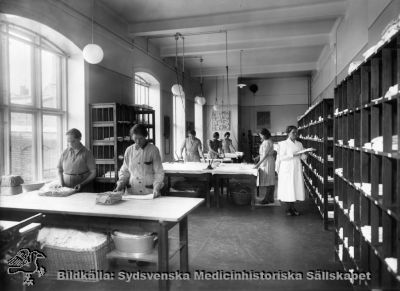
(138, 197)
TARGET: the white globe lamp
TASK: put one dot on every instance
(93, 53)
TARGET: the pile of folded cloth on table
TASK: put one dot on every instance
(108, 198)
(54, 189)
(11, 185)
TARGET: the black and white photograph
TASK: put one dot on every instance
(174, 145)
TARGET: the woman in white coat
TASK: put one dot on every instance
(290, 175)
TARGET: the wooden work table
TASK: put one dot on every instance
(213, 176)
(190, 170)
(234, 171)
(80, 210)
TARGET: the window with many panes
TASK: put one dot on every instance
(32, 103)
(142, 91)
(179, 122)
(198, 121)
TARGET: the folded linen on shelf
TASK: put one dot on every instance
(391, 29)
(369, 52)
(393, 90)
(351, 251)
(377, 143)
(339, 171)
(109, 174)
(392, 263)
(366, 187)
(340, 252)
(353, 66)
(351, 212)
(366, 231)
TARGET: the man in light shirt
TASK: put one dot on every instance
(142, 172)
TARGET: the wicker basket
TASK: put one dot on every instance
(241, 194)
(60, 258)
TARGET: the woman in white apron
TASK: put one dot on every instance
(266, 166)
(290, 175)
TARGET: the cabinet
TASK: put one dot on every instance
(367, 168)
(109, 130)
(315, 130)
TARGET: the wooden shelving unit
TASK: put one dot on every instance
(367, 176)
(315, 130)
(110, 125)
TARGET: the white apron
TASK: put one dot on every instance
(290, 174)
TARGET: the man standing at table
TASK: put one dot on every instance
(142, 172)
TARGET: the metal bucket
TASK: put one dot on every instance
(134, 243)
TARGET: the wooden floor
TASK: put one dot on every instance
(236, 238)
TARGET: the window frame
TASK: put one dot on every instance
(178, 121)
(37, 110)
(141, 83)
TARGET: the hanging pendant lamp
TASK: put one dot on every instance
(240, 81)
(201, 100)
(177, 89)
(93, 53)
(216, 107)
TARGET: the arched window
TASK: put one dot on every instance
(32, 102)
(147, 92)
